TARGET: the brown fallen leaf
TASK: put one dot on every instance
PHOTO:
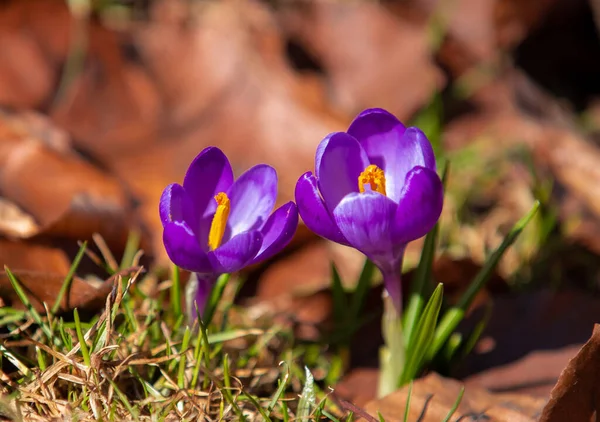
(577, 392)
(359, 386)
(433, 397)
(22, 50)
(534, 374)
(64, 196)
(370, 57)
(519, 326)
(43, 287)
(19, 256)
(16, 223)
(308, 270)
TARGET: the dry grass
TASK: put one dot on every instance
(138, 360)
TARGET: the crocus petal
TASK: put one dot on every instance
(209, 174)
(175, 205)
(366, 220)
(278, 231)
(340, 160)
(170, 204)
(392, 147)
(313, 211)
(420, 205)
(236, 253)
(183, 248)
(252, 199)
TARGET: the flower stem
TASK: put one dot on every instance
(393, 286)
(392, 354)
(197, 292)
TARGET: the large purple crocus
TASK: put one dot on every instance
(375, 188)
(215, 225)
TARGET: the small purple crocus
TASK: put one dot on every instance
(375, 188)
(214, 225)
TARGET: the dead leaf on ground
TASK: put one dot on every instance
(534, 374)
(16, 223)
(308, 270)
(577, 392)
(18, 256)
(522, 324)
(43, 286)
(23, 49)
(66, 196)
(370, 57)
(359, 386)
(433, 397)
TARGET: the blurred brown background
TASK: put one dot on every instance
(104, 103)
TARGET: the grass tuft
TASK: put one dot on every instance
(139, 360)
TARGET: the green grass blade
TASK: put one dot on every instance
(477, 331)
(226, 377)
(69, 278)
(83, 345)
(25, 300)
(15, 361)
(123, 398)
(284, 411)
(491, 263)
(176, 294)
(40, 359)
(454, 315)
(362, 289)
(307, 398)
(205, 352)
(258, 407)
(227, 390)
(283, 383)
(131, 249)
(67, 340)
(455, 406)
(452, 346)
(182, 359)
(408, 397)
(416, 300)
(340, 304)
(423, 336)
(419, 285)
(215, 297)
(198, 350)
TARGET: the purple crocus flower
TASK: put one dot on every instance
(214, 225)
(375, 188)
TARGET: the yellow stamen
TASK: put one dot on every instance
(219, 222)
(373, 176)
